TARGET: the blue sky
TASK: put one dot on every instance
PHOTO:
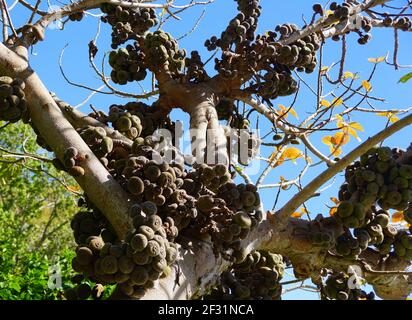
(45, 56)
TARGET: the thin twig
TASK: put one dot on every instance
(9, 18)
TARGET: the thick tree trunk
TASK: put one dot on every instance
(209, 143)
(198, 269)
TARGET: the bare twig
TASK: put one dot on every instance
(23, 155)
(6, 10)
(193, 28)
(30, 7)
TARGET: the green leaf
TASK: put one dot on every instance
(405, 78)
(15, 286)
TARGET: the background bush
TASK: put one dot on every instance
(35, 211)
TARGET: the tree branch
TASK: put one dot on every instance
(387, 276)
(198, 268)
(79, 120)
(326, 25)
(283, 214)
(208, 133)
(31, 8)
(84, 5)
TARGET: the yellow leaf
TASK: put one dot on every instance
(325, 103)
(75, 188)
(293, 113)
(397, 216)
(286, 111)
(376, 60)
(341, 124)
(334, 200)
(292, 153)
(340, 138)
(348, 75)
(283, 109)
(390, 115)
(356, 126)
(337, 102)
(336, 152)
(393, 118)
(300, 213)
(366, 84)
(353, 133)
(329, 12)
(327, 140)
(332, 211)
